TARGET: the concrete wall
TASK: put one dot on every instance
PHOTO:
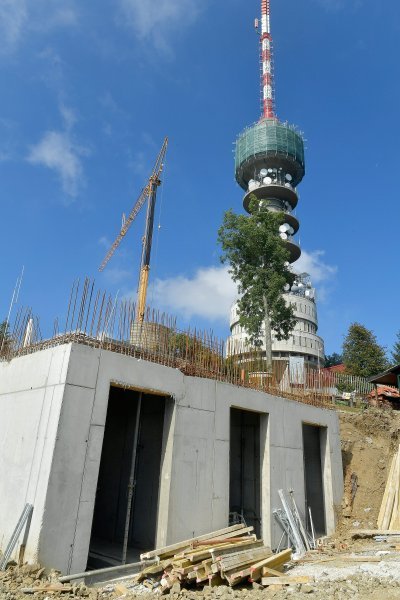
(32, 389)
(194, 486)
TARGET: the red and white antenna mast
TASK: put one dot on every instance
(266, 59)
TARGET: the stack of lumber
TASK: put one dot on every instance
(389, 514)
(225, 557)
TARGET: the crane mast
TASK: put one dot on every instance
(147, 243)
(148, 193)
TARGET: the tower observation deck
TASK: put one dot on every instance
(269, 164)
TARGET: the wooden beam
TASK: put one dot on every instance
(285, 580)
(173, 548)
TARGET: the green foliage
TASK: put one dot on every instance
(395, 354)
(333, 359)
(257, 258)
(343, 385)
(187, 346)
(362, 355)
(5, 338)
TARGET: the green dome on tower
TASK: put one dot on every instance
(268, 139)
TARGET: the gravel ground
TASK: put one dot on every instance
(338, 579)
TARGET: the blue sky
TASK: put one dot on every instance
(90, 89)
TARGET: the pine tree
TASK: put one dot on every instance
(362, 355)
(396, 350)
(333, 359)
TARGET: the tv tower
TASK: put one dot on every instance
(269, 164)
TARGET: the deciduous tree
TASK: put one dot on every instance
(258, 263)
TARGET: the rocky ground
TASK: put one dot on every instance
(338, 579)
(342, 569)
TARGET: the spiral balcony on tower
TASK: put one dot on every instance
(269, 165)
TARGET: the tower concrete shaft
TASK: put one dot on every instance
(269, 164)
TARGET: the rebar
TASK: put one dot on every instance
(95, 318)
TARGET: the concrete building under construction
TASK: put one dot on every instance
(270, 164)
(122, 443)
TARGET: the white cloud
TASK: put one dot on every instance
(322, 274)
(18, 17)
(156, 21)
(208, 294)
(211, 292)
(58, 152)
(13, 17)
(312, 263)
(68, 115)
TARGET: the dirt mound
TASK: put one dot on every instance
(369, 440)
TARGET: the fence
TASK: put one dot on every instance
(96, 319)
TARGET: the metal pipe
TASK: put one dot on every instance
(132, 482)
(143, 563)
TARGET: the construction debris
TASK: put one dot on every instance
(226, 557)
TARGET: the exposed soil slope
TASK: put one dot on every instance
(369, 441)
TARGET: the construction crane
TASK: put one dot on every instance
(148, 193)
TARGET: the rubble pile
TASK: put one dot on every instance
(224, 557)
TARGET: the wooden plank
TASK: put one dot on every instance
(247, 556)
(225, 548)
(173, 548)
(219, 553)
(183, 570)
(201, 575)
(256, 570)
(394, 521)
(218, 541)
(237, 576)
(386, 493)
(390, 497)
(191, 575)
(182, 562)
(344, 558)
(271, 560)
(285, 580)
(231, 535)
(205, 564)
(215, 580)
(267, 572)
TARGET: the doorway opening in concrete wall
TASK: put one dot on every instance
(313, 447)
(245, 468)
(127, 496)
